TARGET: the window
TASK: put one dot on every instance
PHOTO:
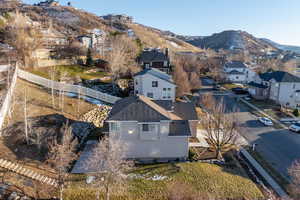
(147, 65)
(154, 83)
(136, 92)
(136, 82)
(237, 77)
(145, 127)
(294, 86)
(165, 89)
(169, 89)
(114, 126)
(150, 94)
(148, 127)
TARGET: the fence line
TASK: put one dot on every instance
(6, 103)
(83, 91)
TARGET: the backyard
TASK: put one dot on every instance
(159, 181)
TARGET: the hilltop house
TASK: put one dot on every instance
(279, 86)
(238, 72)
(153, 130)
(94, 39)
(48, 3)
(154, 84)
(118, 18)
(155, 58)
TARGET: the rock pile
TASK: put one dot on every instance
(6, 193)
(97, 116)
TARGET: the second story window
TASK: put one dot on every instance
(154, 83)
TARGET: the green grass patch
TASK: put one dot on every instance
(201, 178)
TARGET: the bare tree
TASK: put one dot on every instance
(108, 164)
(61, 154)
(25, 38)
(121, 56)
(221, 128)
(294, 172)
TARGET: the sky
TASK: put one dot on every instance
(278, 20)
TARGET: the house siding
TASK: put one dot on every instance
(143, 86)
(163, 146)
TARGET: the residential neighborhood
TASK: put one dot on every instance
(109, 106)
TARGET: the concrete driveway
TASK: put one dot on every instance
(279, 147)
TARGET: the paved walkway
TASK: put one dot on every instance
(18, 169)
(264, 174)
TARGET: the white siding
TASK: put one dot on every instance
(143, 86)
(162, 147)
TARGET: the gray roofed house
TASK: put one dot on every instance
(279, 76)
(235, 64)
(153, 129)
(154, 84)
(238, 72)
(279, 86)
(155, 58)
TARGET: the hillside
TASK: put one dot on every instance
(231, 40)
(295, 49)
(71, 22)
(156, 38)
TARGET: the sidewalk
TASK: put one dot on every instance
(279, 191)
(263, 113)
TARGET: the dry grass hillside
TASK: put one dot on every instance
(154, 38)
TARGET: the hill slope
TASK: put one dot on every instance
(72, 22)
(292, 48)
(231, 40)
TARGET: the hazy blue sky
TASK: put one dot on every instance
(278, 20)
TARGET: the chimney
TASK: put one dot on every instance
(167, 52)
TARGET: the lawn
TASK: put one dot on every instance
(72, 71)
(200, 179)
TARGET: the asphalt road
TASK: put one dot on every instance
(279, 147)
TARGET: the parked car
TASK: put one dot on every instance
(295, 127)
(216, 87)
(265, 121)
(239, 90)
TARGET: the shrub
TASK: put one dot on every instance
(296, 113)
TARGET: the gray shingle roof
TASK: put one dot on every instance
(143, 109)
(235, 64)
(235, 72)
(152, 56)
(280, 76)
(156, 73)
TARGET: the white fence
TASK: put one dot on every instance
(6, 103)
(83, 91)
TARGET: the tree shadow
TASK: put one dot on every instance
(42, 129)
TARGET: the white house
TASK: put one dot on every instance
(153, 130)
(154, 84)
(238, 72)
(279, 86)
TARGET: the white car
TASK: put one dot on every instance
(265, 121)
(295, 127)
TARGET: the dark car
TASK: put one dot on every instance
(239, 90)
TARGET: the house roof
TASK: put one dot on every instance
(156, 73)
(153, 55)
(178, 128)
(257, 85)
(235, 72)
(140, 108)
(235, 64)
(280, 76)
(143, 109)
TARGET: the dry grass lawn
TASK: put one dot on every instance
(199, 179)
